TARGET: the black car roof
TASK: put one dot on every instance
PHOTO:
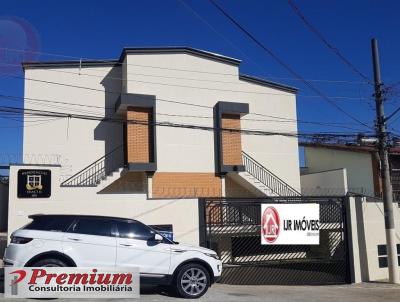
(34, 216)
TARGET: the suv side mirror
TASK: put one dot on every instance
(158, 237)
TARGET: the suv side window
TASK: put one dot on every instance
(93, 226)
(134, 230)
(50, 223)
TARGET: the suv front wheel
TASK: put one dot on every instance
(192, 281)
(49, 263)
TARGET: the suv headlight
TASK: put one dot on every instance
(215, 256)
(20, 240)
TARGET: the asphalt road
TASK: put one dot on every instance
(365, 292)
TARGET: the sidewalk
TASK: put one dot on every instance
(364, 292)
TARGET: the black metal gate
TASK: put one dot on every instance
(233, 228)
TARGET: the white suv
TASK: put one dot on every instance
(96, 241)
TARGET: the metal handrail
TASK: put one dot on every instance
(267, 178)
(91, 175)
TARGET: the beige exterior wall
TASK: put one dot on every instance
(368, 231)
(332, 182)
(88, 201)
(358, 165)
(215, 81)
(176, 147)
(235, 189)
(78, 142)
(179, 150)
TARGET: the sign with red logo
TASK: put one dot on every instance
(286, 224)
(270, 224)
(71, 282)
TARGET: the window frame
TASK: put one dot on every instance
(48, 221)
(112, 234)
(165, 240)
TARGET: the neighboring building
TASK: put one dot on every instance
(360, 162)
(157, 166)
(353, 170)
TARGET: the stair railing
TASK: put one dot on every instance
(91, 175)
(267, 178)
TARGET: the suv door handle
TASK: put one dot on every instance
(126, 244)
(75, 239)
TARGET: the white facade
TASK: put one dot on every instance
(331, 182)
(331, 171)
(367, 233)
(183, 213)
(174, 78)
(358, 165)
(176, 147)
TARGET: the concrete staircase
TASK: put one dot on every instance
(101, 172)
(257, 184)
(260, 180)
(110, 178)
(250, 184)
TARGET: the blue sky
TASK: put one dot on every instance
(99, 29)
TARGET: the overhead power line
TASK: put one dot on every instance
(273, 118)
(333, 81)
(46, 113)
(33, 124)
(286, 66)
(208, 24)
(329, 45)
(350, 98)
(110, 91)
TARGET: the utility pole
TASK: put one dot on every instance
(385, 170)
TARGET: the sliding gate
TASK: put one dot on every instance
(232, 227)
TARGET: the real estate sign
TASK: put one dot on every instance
(71, 282)
(286, 224)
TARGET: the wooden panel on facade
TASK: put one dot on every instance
(186, 184)
(139, 135)
(231, 140)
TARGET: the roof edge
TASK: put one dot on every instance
(177, 50)
(349, 148)
(267, 83)
(70, 63)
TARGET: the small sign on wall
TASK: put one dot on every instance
(34, 183)
(287, 224)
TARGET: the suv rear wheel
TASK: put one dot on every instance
(49, 263)
(192, 281)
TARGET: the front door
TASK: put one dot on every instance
(136, 247)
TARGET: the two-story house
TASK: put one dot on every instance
(148, 134)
